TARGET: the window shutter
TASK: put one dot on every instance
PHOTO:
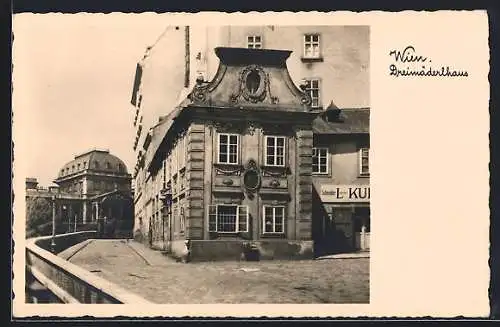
(243, 218)
(212, 218)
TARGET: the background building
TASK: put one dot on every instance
(94, 184)
(341, 179)
(331, 61)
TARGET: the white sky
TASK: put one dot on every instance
(72, 80)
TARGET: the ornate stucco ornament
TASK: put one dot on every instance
(251, 177)
(253, 83)
(305, 98)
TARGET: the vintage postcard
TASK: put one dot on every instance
(249, 165)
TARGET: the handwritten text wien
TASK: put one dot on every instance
(407, 63)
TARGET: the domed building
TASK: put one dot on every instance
(103, 188)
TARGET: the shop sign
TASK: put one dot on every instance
(345, 193)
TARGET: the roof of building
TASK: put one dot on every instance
(93, 160)
(345, 121)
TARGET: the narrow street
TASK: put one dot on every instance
(160, 279)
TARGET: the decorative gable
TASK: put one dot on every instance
(251, 78)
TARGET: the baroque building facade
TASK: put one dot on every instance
(234, 164)
(330, 64)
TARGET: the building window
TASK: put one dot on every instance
(108, 165)
(84, 164)
(96, 164)
(311, 46)
(228, 148)
(320, 160)
(181, 153)
(313, 88)
(364, 156)
(274, 219)
(228, 218)
(182, 220)
(275, 151)
(254, 42)
(164, 182)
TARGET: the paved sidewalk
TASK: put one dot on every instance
(353, 255)
(153, 258)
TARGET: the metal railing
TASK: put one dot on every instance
(68, 282)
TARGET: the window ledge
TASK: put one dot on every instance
(311, 59)
(364, 176)
(227, 235)
(232, 165)
(275, 168)
(272, 235)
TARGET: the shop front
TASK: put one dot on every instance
(342, 219)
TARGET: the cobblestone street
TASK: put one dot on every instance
(157, 278)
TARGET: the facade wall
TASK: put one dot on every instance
(197, 181)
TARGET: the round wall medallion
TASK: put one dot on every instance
(251, 179)
(254, 81)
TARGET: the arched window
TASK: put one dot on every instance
(96, 164)
(108, 165)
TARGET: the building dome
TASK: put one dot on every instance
(94, 161)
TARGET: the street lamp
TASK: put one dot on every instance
(64, 214)
(53, 243)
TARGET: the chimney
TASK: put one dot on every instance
(31, 183)
(333, 113)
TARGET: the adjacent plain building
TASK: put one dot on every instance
(327, 64)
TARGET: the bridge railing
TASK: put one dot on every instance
(69, 282)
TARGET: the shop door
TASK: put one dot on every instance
(362, 230)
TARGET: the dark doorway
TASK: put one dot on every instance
(118, 210)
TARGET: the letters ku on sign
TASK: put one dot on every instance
(345, 193)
